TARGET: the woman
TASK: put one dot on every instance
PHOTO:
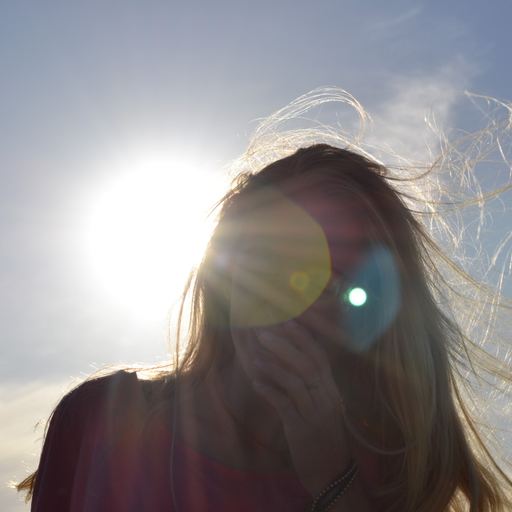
(321, 372)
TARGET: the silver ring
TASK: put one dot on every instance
(314, 385)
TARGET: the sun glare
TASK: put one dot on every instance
(148, 228)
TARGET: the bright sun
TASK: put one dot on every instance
(148, 228)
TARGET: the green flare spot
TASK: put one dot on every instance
(357, 297)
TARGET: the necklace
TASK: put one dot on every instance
(283, 454)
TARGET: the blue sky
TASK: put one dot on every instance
(89, 87)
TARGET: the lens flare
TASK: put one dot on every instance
(376, 285)
(357, 297)
(299, 281)
(286, 264)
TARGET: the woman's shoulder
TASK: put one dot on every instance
(121, 397)
(98, 387)
(120, 389)
(107, 393)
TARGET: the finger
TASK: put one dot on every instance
(310, 347)
(289, 415)
(293, 386)
(317, 375)
(307, 344)
(289, 354)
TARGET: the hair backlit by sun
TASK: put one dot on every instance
(147, 228)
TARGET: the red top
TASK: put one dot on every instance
(106, 451)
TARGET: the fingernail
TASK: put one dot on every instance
(292, 323)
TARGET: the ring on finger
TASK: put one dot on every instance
(314, 385)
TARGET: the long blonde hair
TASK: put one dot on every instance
(434, 368)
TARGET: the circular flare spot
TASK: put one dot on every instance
(299, 281)
(357, 297)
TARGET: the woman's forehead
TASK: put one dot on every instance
(339, 219)
(345, 227)
(298, 229)
(274, 210)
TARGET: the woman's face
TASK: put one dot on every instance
(295, 262)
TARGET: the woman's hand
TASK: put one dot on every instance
(302, 390)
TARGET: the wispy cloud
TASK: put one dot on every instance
(393, 21)
(405, 123)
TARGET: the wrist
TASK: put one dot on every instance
(332, 493)
(324, 474)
